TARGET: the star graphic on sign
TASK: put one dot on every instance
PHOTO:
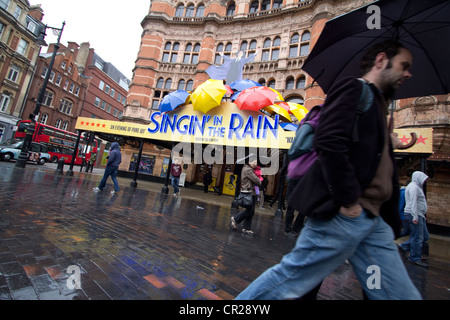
(92, 124)
(82, 122)
(421, 139)
(87, 123)
(104, 125)
(404, 139)
(98, 125)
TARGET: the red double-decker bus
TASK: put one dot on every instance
(60, 143)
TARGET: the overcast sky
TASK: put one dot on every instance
(112, 27)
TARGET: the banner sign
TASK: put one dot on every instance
(223, 125)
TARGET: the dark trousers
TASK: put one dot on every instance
(298, 224)
(246, 215)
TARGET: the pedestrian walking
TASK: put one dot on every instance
(207, 179)
(175, 172)
(415, 213)
(248, 182)
(114, 159)
(92, 159)
(357, 188)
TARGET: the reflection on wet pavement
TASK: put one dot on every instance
(141, 244)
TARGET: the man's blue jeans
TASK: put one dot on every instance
(110, 171)
(418, 236)
(323, 245)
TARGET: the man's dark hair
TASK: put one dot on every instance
(390, 47)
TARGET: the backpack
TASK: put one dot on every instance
(302, 154)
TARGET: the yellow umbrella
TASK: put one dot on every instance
(296, 109)
(208, 95)
(275, 109)
(280, 97)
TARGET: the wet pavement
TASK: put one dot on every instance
(61, 241)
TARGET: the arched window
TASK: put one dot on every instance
(65, 106)
(190, 11)
(160, 83)
(293, 47)
(254, 6)
(200, 11)
(301, 82)
(65, 125)
(296, 99)
(265, 5)
(44, 118)
(179, 11)
(58, 123)
(190, 85)
(271, 84)
(168, 84)
(230, 9)
(181, 84)
(277, 4)
(190, 54)
(304, 45)
(290, 83)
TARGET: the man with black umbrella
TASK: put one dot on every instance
(350, 194)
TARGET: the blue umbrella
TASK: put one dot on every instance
(244, 84)
(173, 100)
(235, 95)
(289, 126)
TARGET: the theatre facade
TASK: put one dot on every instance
(181, 40)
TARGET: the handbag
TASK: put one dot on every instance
(245, 200)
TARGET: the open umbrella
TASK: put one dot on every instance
(208, 95)
(255, 98)
(282, 112)
(423, 27)
(279, 96)
(289, 126)
(173, 100)
(243, 84)
(296, 109)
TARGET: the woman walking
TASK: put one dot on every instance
(248, 181)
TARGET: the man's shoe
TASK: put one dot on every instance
(96, 189)
(250, 232)
(114, 192)
(419, 263)
(233, 223)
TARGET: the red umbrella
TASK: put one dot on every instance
(255, 98)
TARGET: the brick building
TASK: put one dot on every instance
(181, 39)
(20, 43)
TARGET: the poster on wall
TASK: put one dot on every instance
(145, 166)
(229, 183)
(165, 167)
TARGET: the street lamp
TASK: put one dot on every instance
(23, 157)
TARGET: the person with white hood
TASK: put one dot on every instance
(415, 212)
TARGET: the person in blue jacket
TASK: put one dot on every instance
(114, 159)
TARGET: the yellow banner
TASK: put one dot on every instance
(223, 125)
(424, 143)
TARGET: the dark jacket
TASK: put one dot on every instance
(345, 168)
(115, 157)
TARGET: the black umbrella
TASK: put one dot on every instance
(422, 26)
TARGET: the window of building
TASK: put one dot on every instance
(4, 102)
(58, 123)
(200, 11)
(179, 11)
(254, 6)
(112, 93)
(160, 83)
(97, 102)
(168, 84)
(48, 98)
(17, 12)
(190, 54)
(181, 84)
(72, 87)
(189, 85)
(101, 85)
(277, 4)
(4, 4)
(65, 106)
(65, 125)
(230, 9)
(271, 84)
(107, 88)
(297, 99)
(265, 5)
(66, 85)
(301, 83)
(2, 132)
(44, 118)
(108, 108)
(13, 74)
(103, 105)
(304, 46)
(189, 11)
(52, 76)
(58, 80)
(44, 72)
(22, 47)
(290, 83)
